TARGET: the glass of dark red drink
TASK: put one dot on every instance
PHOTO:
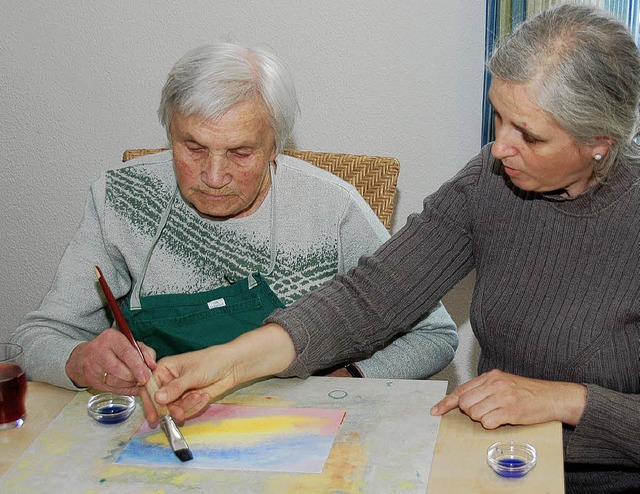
(13, 387)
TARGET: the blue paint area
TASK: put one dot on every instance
(112, 414)
(277, 454)
(511, 467)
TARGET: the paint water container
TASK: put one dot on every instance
(511, 458)
(110, 408)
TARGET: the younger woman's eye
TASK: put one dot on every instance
(530, 139)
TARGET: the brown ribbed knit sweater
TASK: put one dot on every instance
(557, 297)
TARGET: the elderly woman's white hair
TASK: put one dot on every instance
(585, 67)
(208, 80)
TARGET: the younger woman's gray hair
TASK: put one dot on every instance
(210, 79)
(585, 70)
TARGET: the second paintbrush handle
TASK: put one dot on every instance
(152, 388)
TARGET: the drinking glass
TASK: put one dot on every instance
(13, 387)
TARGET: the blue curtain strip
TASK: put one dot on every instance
(503, 15)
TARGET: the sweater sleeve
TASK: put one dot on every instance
(607, 430)
(360, 312)
(73, 311)
(427, 348)
(420, 350)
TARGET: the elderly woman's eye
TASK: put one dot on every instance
(194, 148)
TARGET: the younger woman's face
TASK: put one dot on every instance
(537, 154)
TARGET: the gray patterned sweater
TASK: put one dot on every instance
(322, 227)
(557, 297)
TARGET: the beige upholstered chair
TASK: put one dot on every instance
(375, 177)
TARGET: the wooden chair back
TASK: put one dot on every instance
(375, 177)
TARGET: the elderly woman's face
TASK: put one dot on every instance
(222, 166)
(537, 154)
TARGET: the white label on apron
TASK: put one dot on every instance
(214, 304)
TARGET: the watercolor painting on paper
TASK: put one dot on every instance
(240, 437)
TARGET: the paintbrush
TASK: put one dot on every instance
(176, 440)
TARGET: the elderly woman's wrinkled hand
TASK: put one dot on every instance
(110, 363)
(497, 398)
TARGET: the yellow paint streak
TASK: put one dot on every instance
(56, 443)
(241, 430)
(125, 474)
(146, 491)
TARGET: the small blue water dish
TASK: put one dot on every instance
(511, 459)
(110, 408)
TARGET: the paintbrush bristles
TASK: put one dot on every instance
(178, 443)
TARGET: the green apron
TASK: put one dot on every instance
(183, 322)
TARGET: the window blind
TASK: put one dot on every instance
(503, 15)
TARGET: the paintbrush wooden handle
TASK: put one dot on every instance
(121, 322)
(174, 436)
(152, 388)
(123, 326)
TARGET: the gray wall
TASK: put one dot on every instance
(80, 82)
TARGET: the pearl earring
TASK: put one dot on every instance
(597, 156)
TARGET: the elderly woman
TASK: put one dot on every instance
(196, 246)
(548, 217)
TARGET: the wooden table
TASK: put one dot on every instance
(458, 465)
(44, 403)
